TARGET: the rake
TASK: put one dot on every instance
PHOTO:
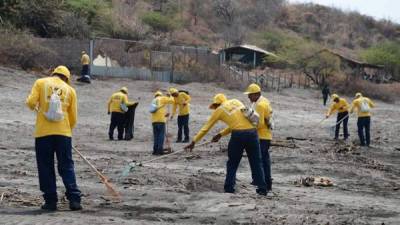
(102, 177)
(131, 166)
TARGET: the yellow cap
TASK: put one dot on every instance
(358, 94)
(158, 93)
(173, 91)
(252, 89)
(124, 89)
(217, 100)
(63, 70)
(335, 96)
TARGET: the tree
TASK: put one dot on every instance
(386, 54)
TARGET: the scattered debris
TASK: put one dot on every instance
(193, 156)
(314, 181)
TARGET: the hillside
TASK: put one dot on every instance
(208, 22)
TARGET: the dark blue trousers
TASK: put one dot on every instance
(266, 161)
(244, 140)
(340, 117)
(183, 125)
(364, 125)
(117, 121)
(159, 135)
(62, 147)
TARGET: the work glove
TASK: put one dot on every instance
(108, 113)
(170, 118)
(216, 138)
(327, 116)
(167, 115)
(190, 147)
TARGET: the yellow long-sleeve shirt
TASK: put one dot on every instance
(356, 106)
(39, 98)
(85, 59)
(182, 102)
(341, 106)
(264, 110)
(229, 113)
(115, 101)
(159, 115)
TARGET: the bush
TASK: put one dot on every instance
(18, 48)
(385, 92)
(158, 22)
(386, 54)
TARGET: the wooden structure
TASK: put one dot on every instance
(245, 54)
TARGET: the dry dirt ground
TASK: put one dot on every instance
(188, 188)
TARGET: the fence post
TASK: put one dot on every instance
(291, 80)
(279, 82)
(172, 67)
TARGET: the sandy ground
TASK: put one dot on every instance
(188, 188)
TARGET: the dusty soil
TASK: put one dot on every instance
(188, 188)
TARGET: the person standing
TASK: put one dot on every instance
(159, 117)
(117, 107)
(325, 93)
(342, 106)
(264, 128)
(85, 72)
(55, 102)
(363, 107)
(182, 102)
(243, 137)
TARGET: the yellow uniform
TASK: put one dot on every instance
(356, 106)
(159, 115)
(39, 98)
(85, 59)
(341, 106)
(229, 113)
(264, 110)
(114, 104)
(183, 103)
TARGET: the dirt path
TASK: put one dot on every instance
(188, 188)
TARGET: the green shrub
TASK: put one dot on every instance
(386, 54)
(158, 22)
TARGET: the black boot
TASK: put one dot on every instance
(49, 206)
(75, 206)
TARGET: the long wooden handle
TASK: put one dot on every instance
(90, 164)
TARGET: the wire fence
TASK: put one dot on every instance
(168, 63)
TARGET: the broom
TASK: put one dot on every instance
(132, 165)
(102, 177)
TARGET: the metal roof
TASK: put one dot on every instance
(253, 48)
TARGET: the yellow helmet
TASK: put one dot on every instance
(173, 91)
(252, 89)
(124, 89)
(358, 95)
(217, 100)
(158, 93)
(335, 96)
(62, 70)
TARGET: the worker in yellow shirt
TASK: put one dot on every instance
(342, 107)
(243, 136)
(363, 107)
(182, 102)
(264, 128)
(85, 72)
(117, 107)
(159, 117)
(55, 102)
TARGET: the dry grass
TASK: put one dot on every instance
(385, 92)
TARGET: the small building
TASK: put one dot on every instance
(245, 54)
(354, 67)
